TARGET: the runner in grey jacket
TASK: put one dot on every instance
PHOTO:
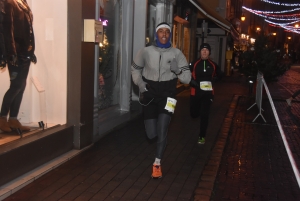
(153, 63)
(155, 70)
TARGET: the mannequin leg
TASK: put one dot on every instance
(13, 97)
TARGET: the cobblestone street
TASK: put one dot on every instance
(255, 164)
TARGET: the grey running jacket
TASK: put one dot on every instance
(153, 63)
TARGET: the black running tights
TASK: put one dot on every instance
(158, 127)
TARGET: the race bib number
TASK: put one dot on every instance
(171, 103)
(206, 86)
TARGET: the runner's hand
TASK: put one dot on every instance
(142, 86)
(194, 83)
(174, 67)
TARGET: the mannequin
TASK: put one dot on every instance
(20, 46)
(2, 46)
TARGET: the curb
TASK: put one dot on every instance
(15, 185)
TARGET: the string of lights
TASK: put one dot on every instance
(281, 4)
(292, 30)
(278, 17)
(292, 17)
(282, 24)
(274, 12)
(282, 16)
(285, 26)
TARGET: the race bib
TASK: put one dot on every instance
(206, 86)
(171, 103)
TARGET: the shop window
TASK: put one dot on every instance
(45, 96)
(109, 66)
(158, 11)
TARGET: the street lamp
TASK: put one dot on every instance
(243, 17)
(258, 29)
(296, 25)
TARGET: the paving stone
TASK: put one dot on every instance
(201, 198)
(206, 185)
(202, 191)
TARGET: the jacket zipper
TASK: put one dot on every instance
(159, 68)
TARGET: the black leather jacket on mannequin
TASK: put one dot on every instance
(2, 45)
(18, 31)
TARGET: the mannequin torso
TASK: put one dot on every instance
(17, 26)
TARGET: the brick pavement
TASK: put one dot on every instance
(255, 164)
(235, 163)
(118, 167)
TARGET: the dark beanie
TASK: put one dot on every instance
(205, 45)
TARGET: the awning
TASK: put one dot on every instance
(181, 20)
(211, 14)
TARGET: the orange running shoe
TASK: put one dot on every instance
(156, 172)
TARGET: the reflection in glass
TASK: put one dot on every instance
(158, 11)
(108, 56)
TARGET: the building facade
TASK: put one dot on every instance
(80, 88)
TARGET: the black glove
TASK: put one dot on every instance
(33, 59)
(194, 83)
(13, 60)
(144, 98)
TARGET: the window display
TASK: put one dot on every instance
(19, 46)
(32, 29)
(108, 92)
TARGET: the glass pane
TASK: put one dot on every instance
(108, 55)
(158, 11)
(44, 102)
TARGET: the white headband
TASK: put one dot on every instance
(163, 26)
